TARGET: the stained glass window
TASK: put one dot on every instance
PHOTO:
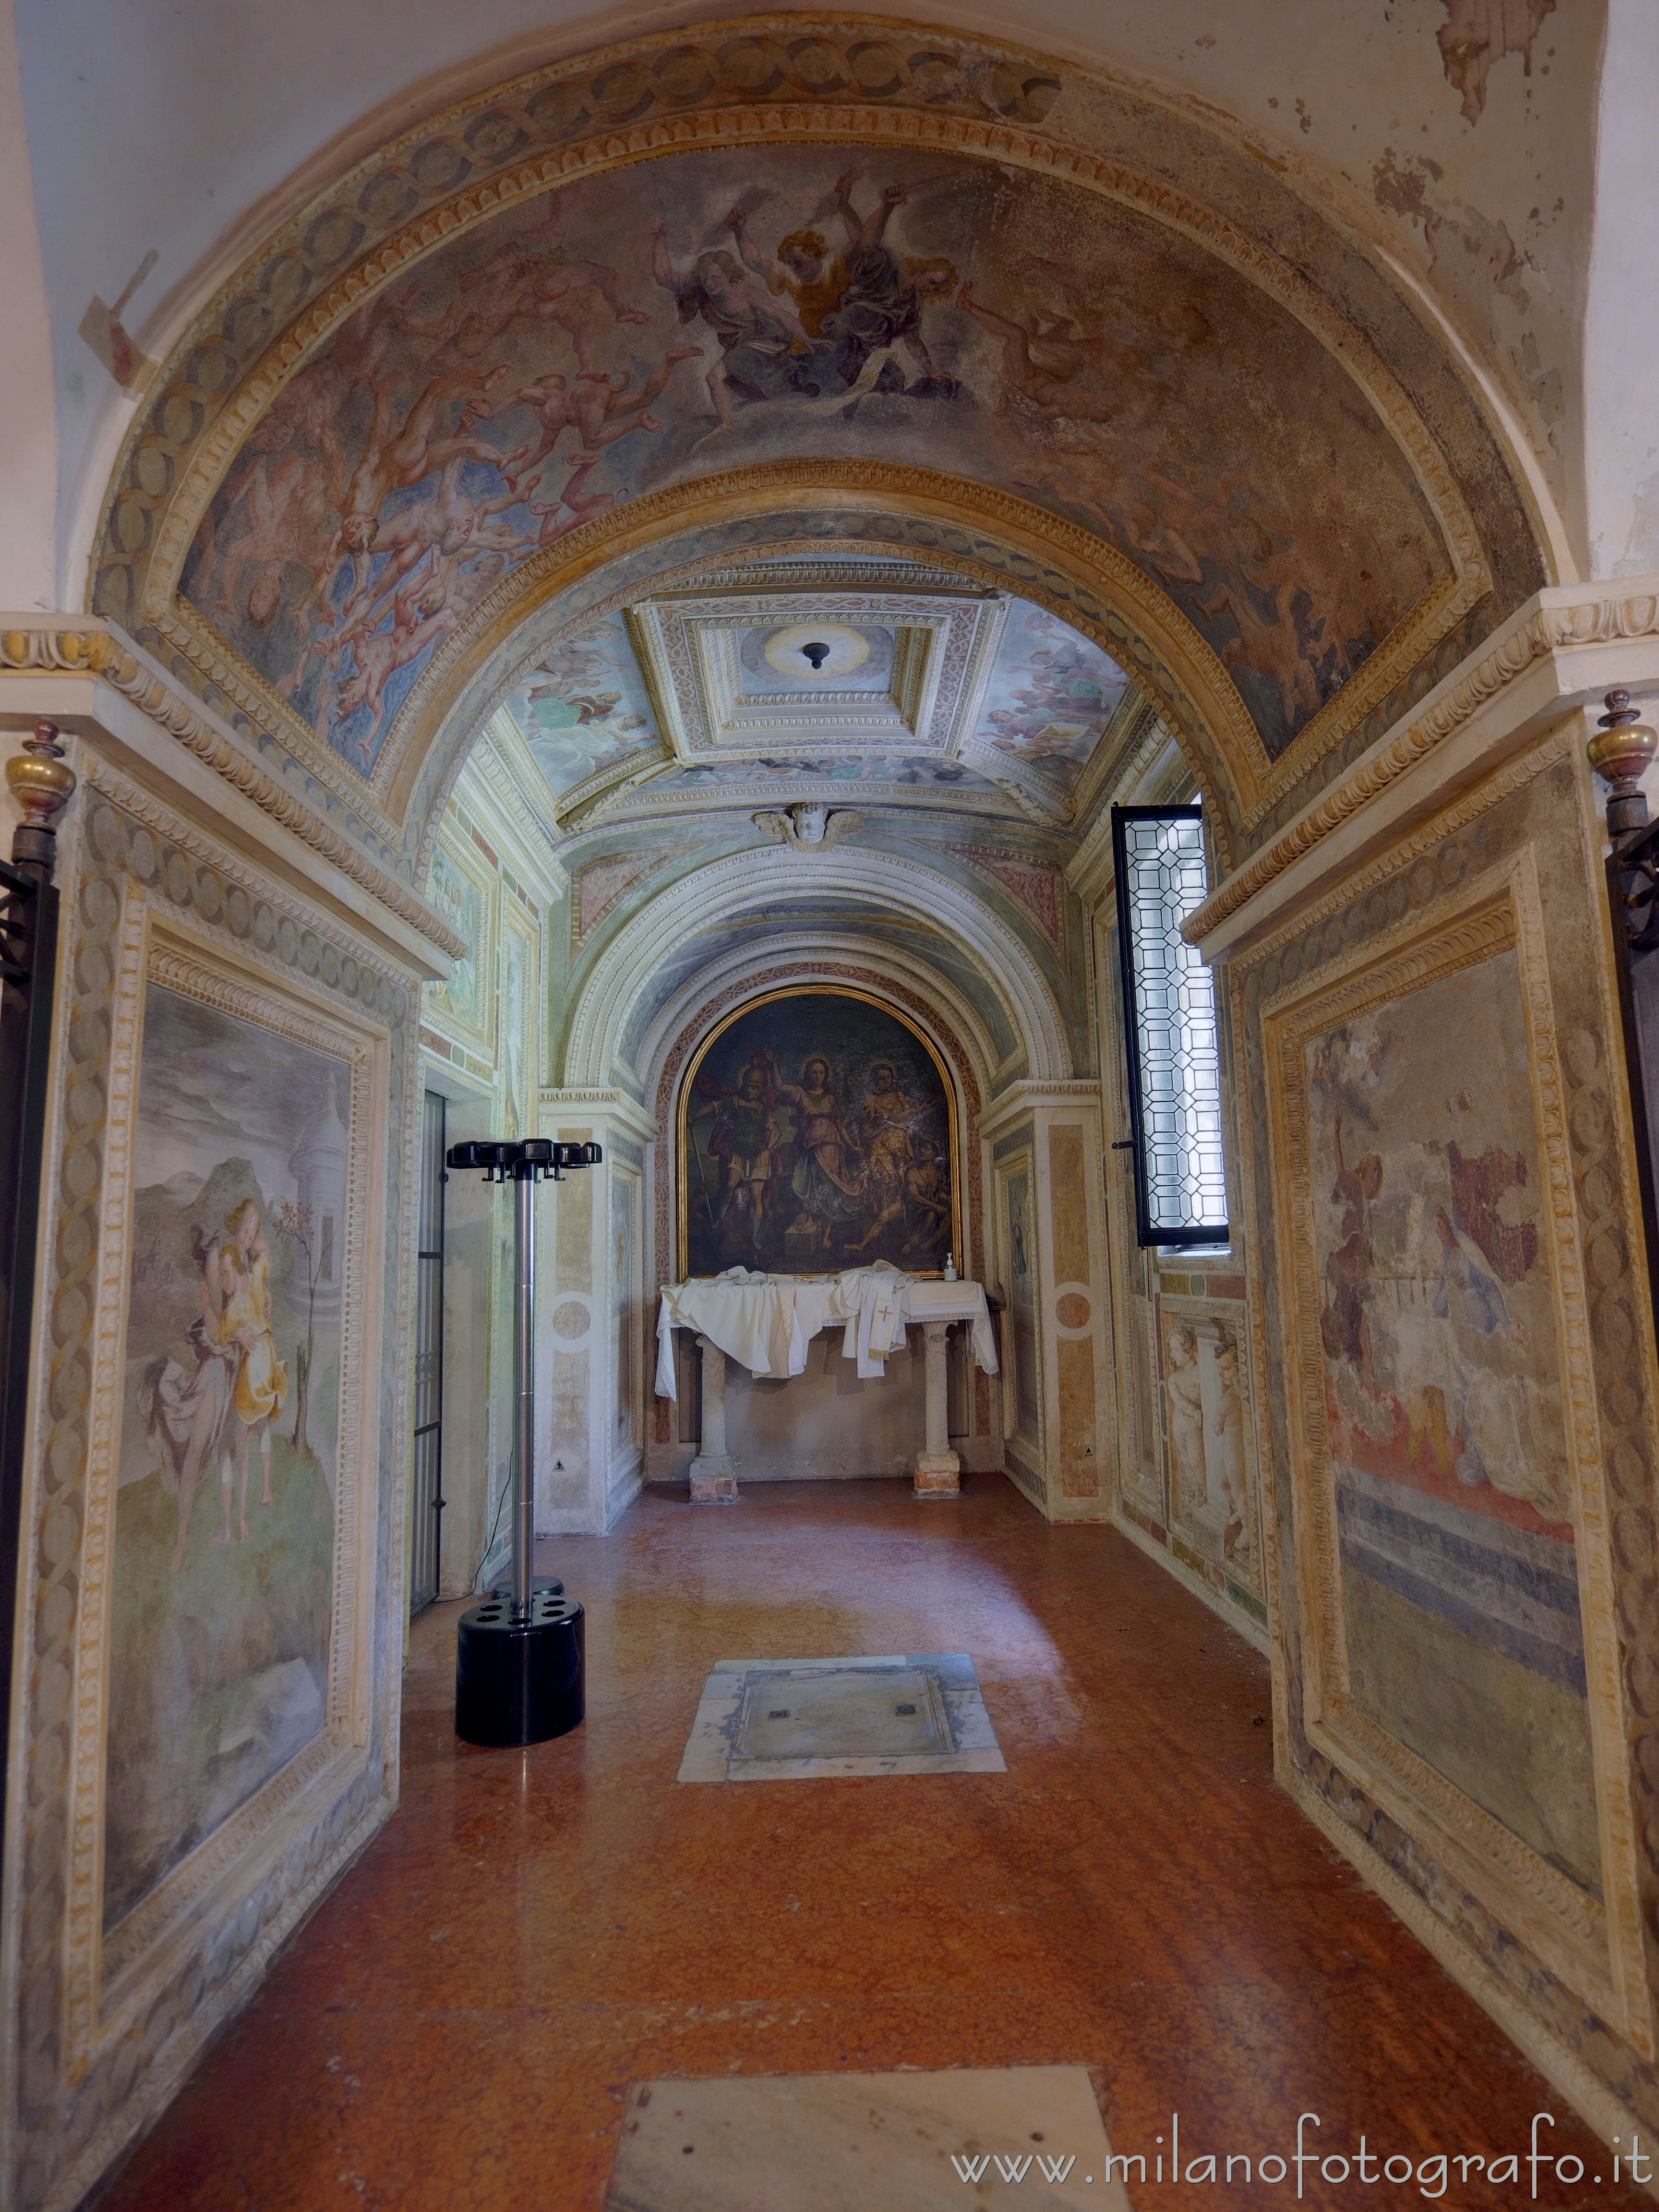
(1169, 1029)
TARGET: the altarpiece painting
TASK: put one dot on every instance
(817, 1131)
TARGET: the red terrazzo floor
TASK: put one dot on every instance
(457, 2023)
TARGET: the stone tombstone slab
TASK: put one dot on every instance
(804, 1720)
(907, 2141)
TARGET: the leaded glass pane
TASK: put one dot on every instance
(1175, 1060)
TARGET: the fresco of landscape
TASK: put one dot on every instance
(721, 308)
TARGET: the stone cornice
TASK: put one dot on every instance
(92, 647)
(1552, 625)
(614, 1105)
(1027, 1097)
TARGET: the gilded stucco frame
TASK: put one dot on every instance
(109, 1976)
(689, 1076)
(1596, 1948)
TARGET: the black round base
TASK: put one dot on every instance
(520, 1681)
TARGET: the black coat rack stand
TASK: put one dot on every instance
(520, 1656)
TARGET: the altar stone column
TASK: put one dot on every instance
(713, 1482)
(937, 1467)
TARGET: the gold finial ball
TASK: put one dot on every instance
(1626, 744)
(39, 778)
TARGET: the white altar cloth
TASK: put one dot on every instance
(765, 1322)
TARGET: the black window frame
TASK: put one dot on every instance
(1148, 1232)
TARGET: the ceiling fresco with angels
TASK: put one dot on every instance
(720, 308)
(588, 719)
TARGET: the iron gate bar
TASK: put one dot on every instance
(426, 1561)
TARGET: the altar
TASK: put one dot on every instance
(766, 1325)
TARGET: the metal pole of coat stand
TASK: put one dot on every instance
(524, 1385)
(520, 1655)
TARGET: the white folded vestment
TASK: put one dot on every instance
(765, 1322)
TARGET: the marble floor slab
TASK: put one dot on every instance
(890, 2142)
(799, 1720)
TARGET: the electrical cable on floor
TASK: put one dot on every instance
(495, 1526)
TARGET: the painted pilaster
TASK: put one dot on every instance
(1063, 1248)
(592, 1372)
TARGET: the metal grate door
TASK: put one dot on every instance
(428, 1499)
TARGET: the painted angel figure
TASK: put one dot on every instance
(765, 351)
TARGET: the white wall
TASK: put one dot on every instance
(29, 452)
(1621, 326)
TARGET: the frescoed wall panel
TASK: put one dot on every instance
(225, 1268)
(1024, 1308)
(1207, 1422)
(518, 1072)
(1430, 1098)
(1444, 1402)
(223, 1573)
(626, 1315)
